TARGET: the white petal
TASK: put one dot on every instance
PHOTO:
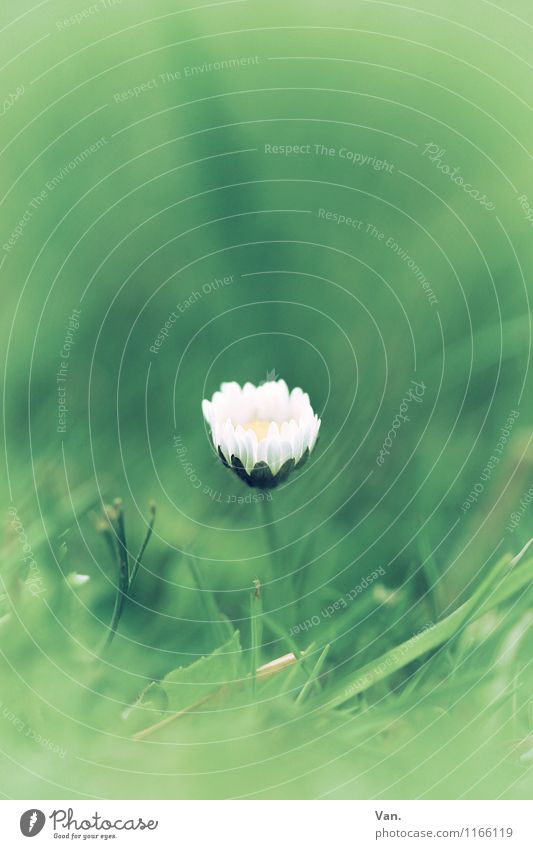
(283, 389)
(272, 432)
(280, 398)
(295, 403)
(231, 388)
(217, 433)
(228, 444)
(207, 410)
(251, 450)
(298, 444)
(262, 450)
(249, 390)
(314, 434)
(305, 430)
(223, 448)
(285, 452)
(274, 454)
(241, 451)
(289, 431)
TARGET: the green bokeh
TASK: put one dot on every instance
(189, 182)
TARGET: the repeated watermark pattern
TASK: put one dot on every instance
(516, 515)
(415, 393)
(354, 157)
(437, 156)
(369, 213)
(340, 219)
(85, 14)
(492, 462)
(527, 208)
(184, 305)
(64, 365)
(10, 100)
(51, 184)
(402, 254)
(339, 604)
(27, 731)
(32, 573)
(165, 77)
(391, 661)
(251, 497)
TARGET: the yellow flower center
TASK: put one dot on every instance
(260, 427)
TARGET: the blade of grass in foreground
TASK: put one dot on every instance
(222, 628)
(314, 675)
(256, 610)
(501, 583)
(291, 644)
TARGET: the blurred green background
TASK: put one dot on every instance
(285, 178)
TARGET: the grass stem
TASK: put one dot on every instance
(125, 578)
(314, 675)
(505, 579)
(256, 628)
(138, 559)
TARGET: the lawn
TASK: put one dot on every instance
(337, 195)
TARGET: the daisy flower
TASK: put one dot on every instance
(262, 432)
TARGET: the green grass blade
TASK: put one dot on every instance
(487, 597)
(314, 675)
(256, 628)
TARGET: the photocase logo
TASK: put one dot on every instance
(32, 822)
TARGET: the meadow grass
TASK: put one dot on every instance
(366, 633)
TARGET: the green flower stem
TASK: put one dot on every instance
(256, 600)
(271, 539)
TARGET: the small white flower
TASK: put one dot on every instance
(262, 432)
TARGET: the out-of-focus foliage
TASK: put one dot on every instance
(336, 194)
